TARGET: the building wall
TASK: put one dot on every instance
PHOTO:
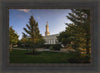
(51, 39)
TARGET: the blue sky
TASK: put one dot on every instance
(18, 18)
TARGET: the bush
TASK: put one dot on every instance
(47, 46)
(86, 58)
(57, 47)
(54, 46)
(74, 58)
(51, 48)
(79, 58)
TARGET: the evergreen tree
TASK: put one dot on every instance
(33, 29)
(13, 37)
(82, 19)
(68, 36)
(78, 31)
(34, 34)
(24, 40)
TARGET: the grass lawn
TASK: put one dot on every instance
(19, 56)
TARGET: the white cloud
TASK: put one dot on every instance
(25, 10)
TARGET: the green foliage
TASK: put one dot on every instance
(28, 43)
(53, 46)
(82, 20)
(40, 43)
(47, 46)
(57, 47)
(77, 57)
(24, 42)
(35, 39)
(33, 30)
(13, 36)
(77, 32)
(19, 43)
(66, 37)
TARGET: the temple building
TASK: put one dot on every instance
(50, 39)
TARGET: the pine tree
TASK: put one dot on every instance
(82, 19)
(68, 36)
(34, 34)
(33, 29)
(13, 37)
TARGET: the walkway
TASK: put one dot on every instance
(41, 50)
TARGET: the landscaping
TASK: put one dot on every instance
(67, 42)
(21, 56)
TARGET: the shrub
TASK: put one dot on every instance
(54, 46)
(47, 46)
(51, 48)
(57, 47)
(79, 58)
(86, 58)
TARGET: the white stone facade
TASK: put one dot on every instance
(51, 39)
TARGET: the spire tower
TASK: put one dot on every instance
(47, 30)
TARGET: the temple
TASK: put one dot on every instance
(50, 39)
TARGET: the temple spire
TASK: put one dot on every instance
(47, 30)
